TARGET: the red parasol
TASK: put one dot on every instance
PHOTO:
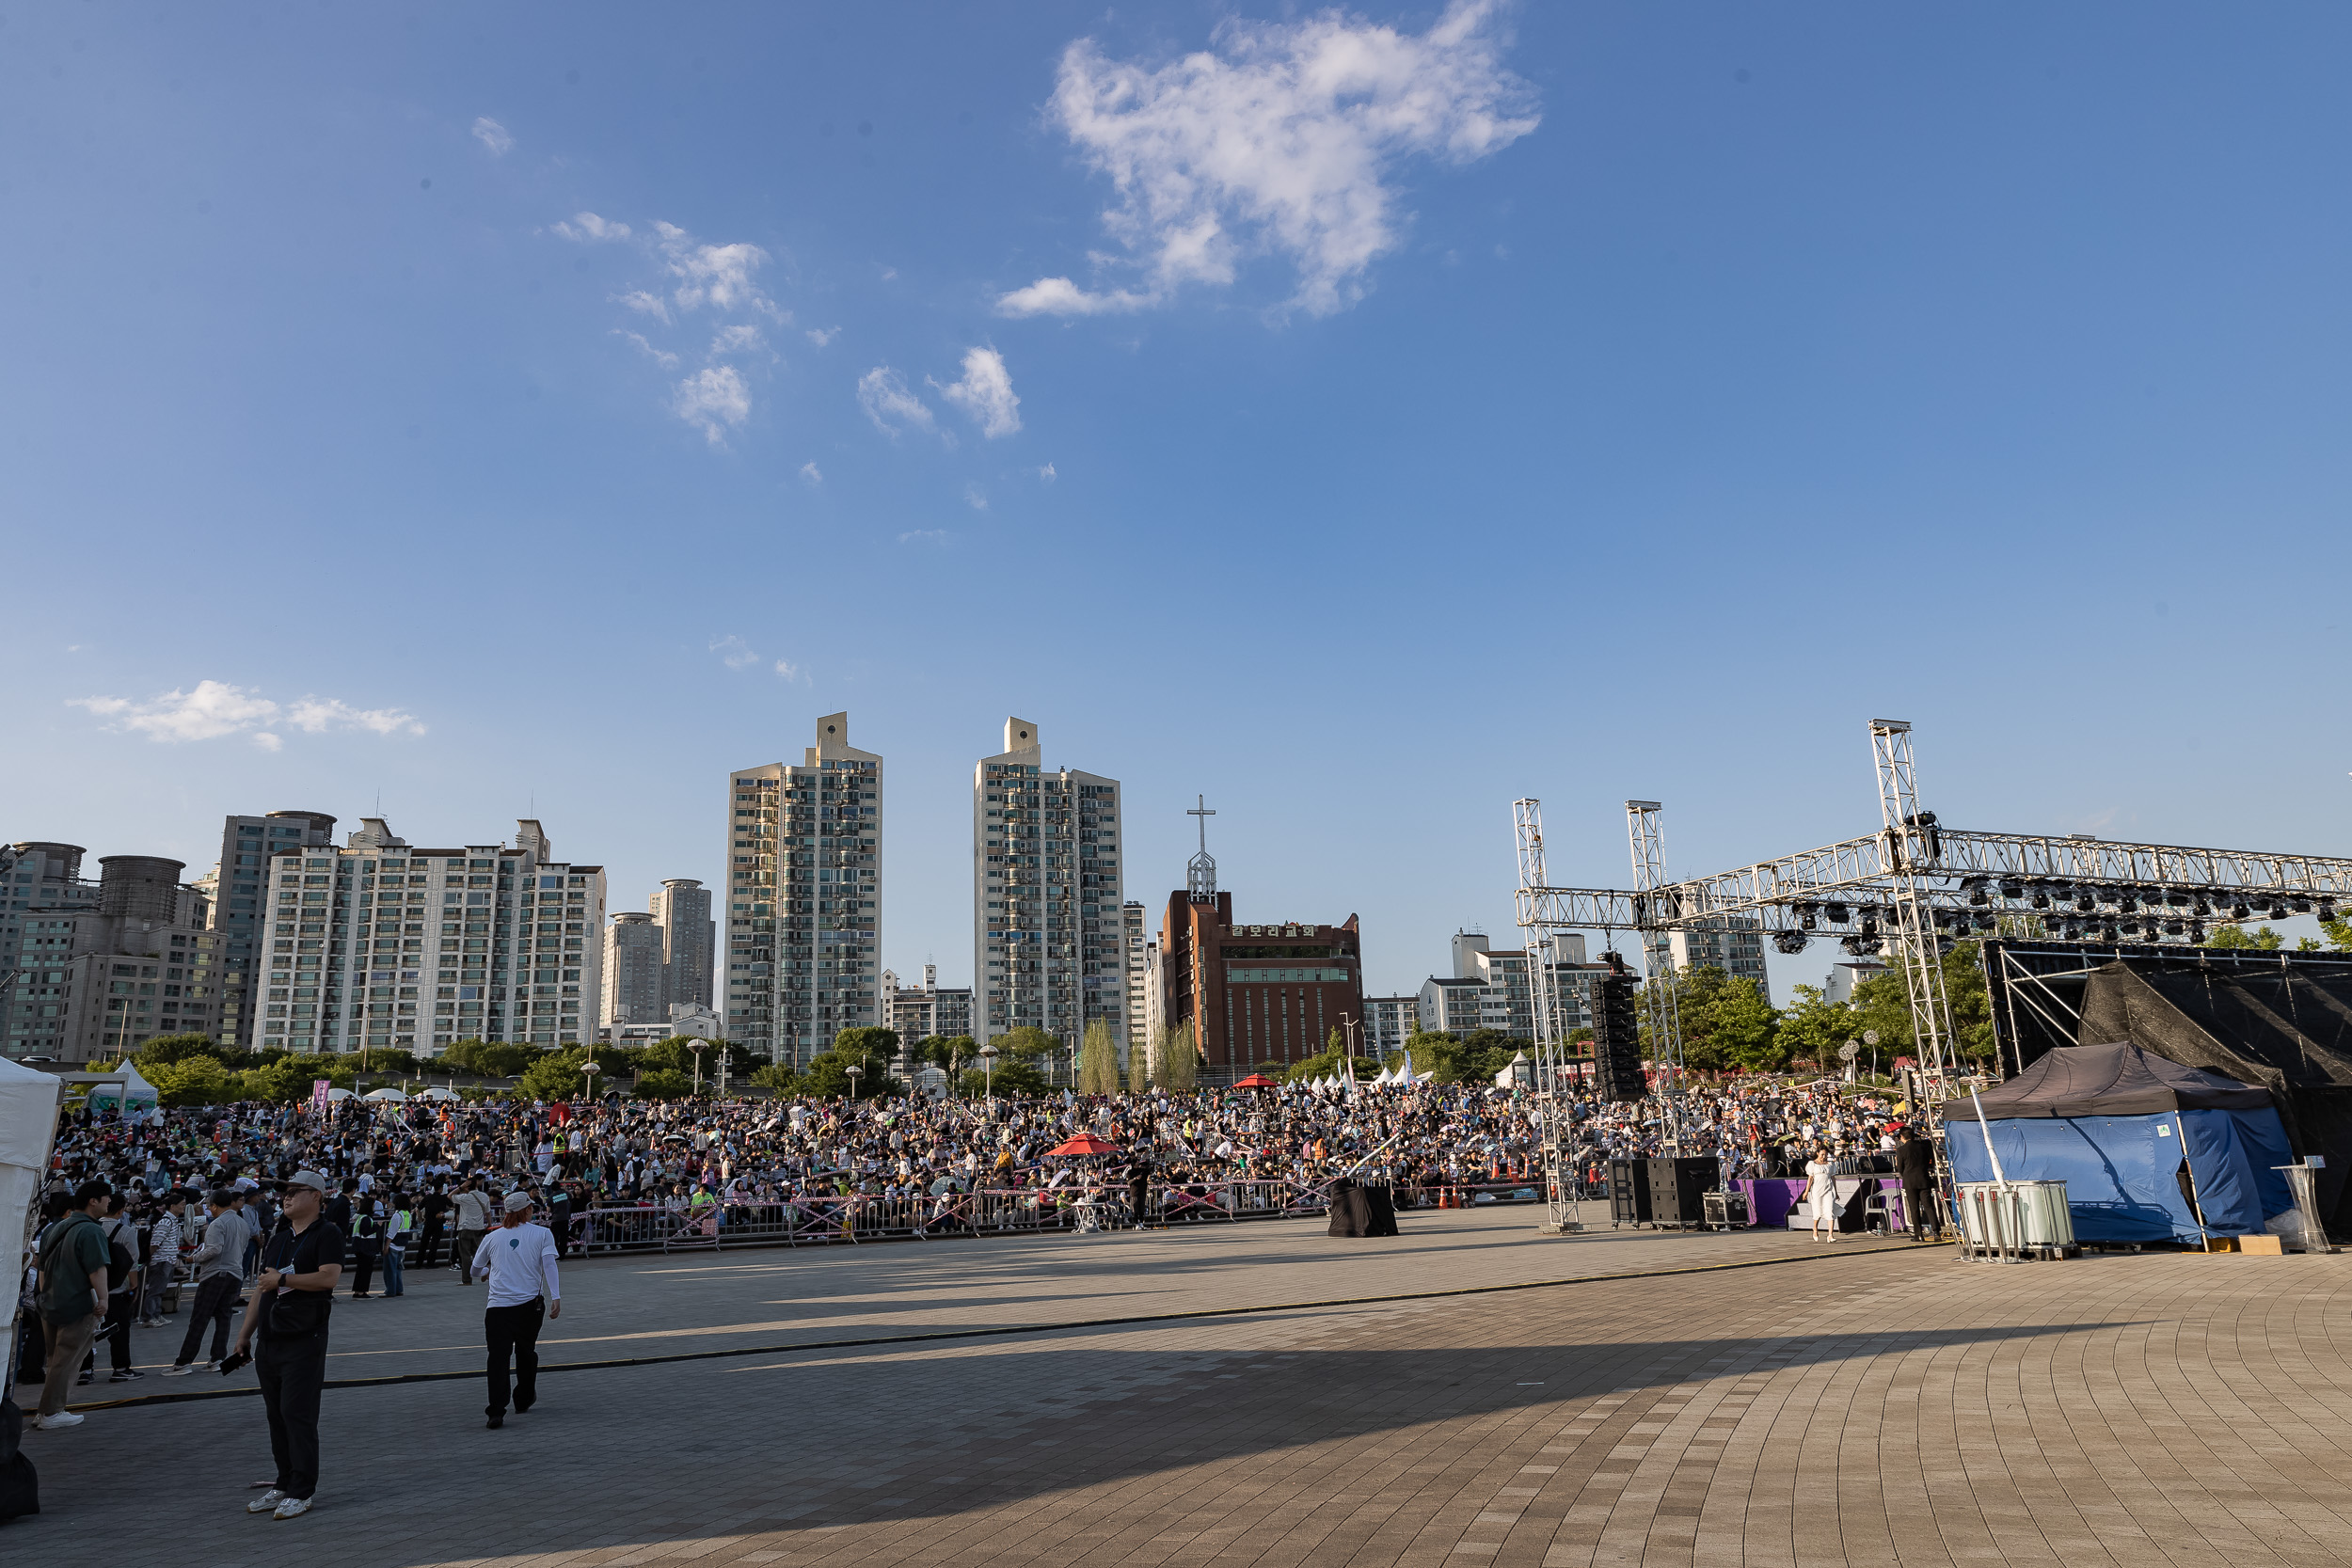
(1084, 1143)
(1257, 1081)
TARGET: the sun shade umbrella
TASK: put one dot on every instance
(1255, 1081)
(1085, 1142)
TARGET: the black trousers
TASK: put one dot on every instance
(215, 1304)
(1922, 1209)
(428, 1257)
(364, 1255)
(114, 1332)
(293, 1373)
(514, 1330)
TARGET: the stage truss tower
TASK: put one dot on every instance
(1555, 1074)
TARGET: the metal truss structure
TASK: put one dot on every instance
(1917, 885)
(1554, 1073)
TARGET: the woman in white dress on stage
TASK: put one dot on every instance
(1821, 1191)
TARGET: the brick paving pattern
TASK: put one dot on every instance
(1854, 1405)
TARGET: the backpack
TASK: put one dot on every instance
(122, 1262)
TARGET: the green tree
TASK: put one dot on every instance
(1176, 1065)
(194, 1080)
(1329, 1060)
(1694, 991)
(1098, 1060)
(1812, 1027)
(2263, 938)
(948, 1052)
(1028, 1044)
(556, 1077)
(1882, 1002)
(870, 1045)
(1138, 1065)
(777, 1078)
(1744, 1028)
(666, 1083)
(874, 1051)
(280, 1081)
(1011, 1078)
(164, 1050)
(1435, 1053)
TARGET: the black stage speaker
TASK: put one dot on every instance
(1677, 1188)
(1629, 1192)
(1616, 1035)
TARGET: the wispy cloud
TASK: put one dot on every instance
(786, 670)
(1282, 138)
(646, 304)
(1046, 474)
(883, 393)
(588, 228)
(212, 709)
(490, 133)
(662, 357)
(719, 275)
(734, 652)
(976, 497)
(743, 338)
(985, 393)
(924, 536)
(822, 335)
(713, 399)
(810, 472)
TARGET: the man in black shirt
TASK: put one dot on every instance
(292, 1298)
(1915, 1162)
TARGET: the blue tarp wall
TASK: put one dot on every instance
(2121, 1172)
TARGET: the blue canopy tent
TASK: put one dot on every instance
(2109, 1121)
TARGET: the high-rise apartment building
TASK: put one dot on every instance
(1048, 948)
(689, 941)
(632, 970)
(247, 843)
(1389, 1022)
(934, 1009)
(101, 970)
(1139, 953)
(379, 944)
(1730, 943)
(39, 882)
(804, 897)
(1490, 989)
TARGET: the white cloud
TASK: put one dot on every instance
(888, 403)
(1047, 474)
(739, 338)
(316, 715)
(719, 275)
(822, 336)
(734, 652)
(662, 357)
(976, 497)
(646, 303)
(809, 472)
(586, 228)
(986, 394)
(925, 536)
(1058, 296)
(788, 671)
(214, 708)
(1280, 138)
(711, 398)
(490, 133)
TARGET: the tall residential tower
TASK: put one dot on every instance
(804, 897)
(1047, 934)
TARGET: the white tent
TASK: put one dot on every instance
(390, 1096)
(29, 1126)
(436, 1092)
(136, 1095)
(339, 1094)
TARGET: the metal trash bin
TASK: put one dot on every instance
(2016, 1219)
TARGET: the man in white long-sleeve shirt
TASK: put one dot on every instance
(518, 1261)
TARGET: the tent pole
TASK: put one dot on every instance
(2204, 1238)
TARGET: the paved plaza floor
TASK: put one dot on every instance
(1245, 1395)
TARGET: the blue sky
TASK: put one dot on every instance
(1361, 417)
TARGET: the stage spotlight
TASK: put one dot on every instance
(2326, 910)
(2174, 928)
(2084, 901)
(2278, 911)
(2202, 905)
(1869, 927)
(2300, 906)
(2012, 890)
(2175, 898)
(1973, 888)
(1836, 913)
(2109, 936)
(2197, 932)
(1789, 942)
(2239, 911)
(2041, 900)
(1806, 914)
(2126, 902)
(1985, 922)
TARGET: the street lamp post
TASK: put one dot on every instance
(698, 1047)
(589, 1070)
(857, 1072)
(988, 1075)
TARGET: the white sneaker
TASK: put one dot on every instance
(180, 1371)
(62, 1418)
(266, 1503)
(293, 1508)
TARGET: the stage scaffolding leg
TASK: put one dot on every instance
(1660, 912)
(1911, 842)
(1554, 1073)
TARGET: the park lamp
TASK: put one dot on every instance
(988, 1072)
(855, 1072)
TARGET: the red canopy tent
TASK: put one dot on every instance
(1257, 1081)
(1084, 1143)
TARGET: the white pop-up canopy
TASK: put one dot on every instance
(29, 1128)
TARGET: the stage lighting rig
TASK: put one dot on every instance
(1836, 913)
(1788, 942)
